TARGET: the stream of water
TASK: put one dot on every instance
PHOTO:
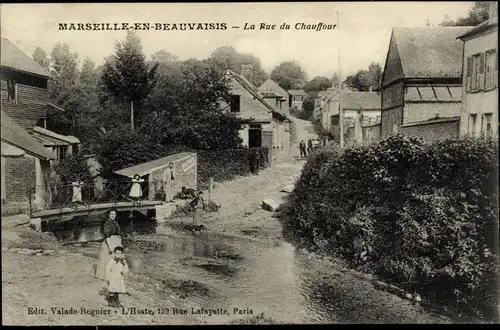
(220, 271)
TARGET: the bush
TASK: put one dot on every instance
(420, 215)
(124, 149)
(223, 165)
(73, 168)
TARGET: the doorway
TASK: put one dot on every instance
(255, 136)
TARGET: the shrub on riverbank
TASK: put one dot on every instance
(420, 215)
(226, 164)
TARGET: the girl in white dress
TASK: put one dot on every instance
(136, 190)
(77, 192)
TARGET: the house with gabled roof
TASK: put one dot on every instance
(421, 83)
(277, 96)
(296, 98)
(27, 146)
(269, 126)
(479, 116)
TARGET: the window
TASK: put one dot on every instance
(488, 129)
(468, 76)
(472, 124)
(334, 120)
(477, 72)
(61, 152)
(491, 68)
(302, 98)
(235, 103)
(11, 91)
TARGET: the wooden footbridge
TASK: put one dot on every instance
(67, 200)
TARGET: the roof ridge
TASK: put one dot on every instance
(255, 93)
(16, 59)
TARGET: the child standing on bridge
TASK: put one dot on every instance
(136, 190)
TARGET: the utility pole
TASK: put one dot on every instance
(132, 114)
(341, 111)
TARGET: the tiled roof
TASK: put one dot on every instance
(479, 28)
(251, 88)
(296, 92)
(65, 138)
(147, 168)
(14, 58)
(271, 86)
(361, 100)
(430, 52)
(17, 136)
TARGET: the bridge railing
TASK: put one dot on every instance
(66, 194)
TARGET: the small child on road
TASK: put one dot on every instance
(115, 272)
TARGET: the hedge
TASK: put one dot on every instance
(226, 164)
(418, 215)
(222, 165)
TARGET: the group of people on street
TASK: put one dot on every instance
(311, 145)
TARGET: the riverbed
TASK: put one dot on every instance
(238, 277)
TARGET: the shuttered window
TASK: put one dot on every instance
(476, 61)
(491, 68)
(481, 71)
(488, 128)
(468, 76)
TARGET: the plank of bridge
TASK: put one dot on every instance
(94, 207)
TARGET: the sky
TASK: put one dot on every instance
(363, 31)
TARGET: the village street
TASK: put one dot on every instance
(268, 273)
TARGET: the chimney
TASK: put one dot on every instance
(247, 71)
(493, 12)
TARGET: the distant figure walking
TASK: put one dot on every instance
(116, 269)
(77, 192)
(309, 145)
(136, 190)
(198, 204)
(302, 148)
(254, 161)
(112, 239)
(257, 161)
(168, 182)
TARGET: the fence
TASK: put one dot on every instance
(64, 195)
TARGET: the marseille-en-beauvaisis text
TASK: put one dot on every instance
(141, 26)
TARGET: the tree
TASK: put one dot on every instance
(477, 14)
(61, 88)
(187, 105)
(318, 84)
(226, 57)
(129, 78)
(375, 72)
(363, 80)
(289, 75)
(308, 105)
(162, 56)
(41, 57)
